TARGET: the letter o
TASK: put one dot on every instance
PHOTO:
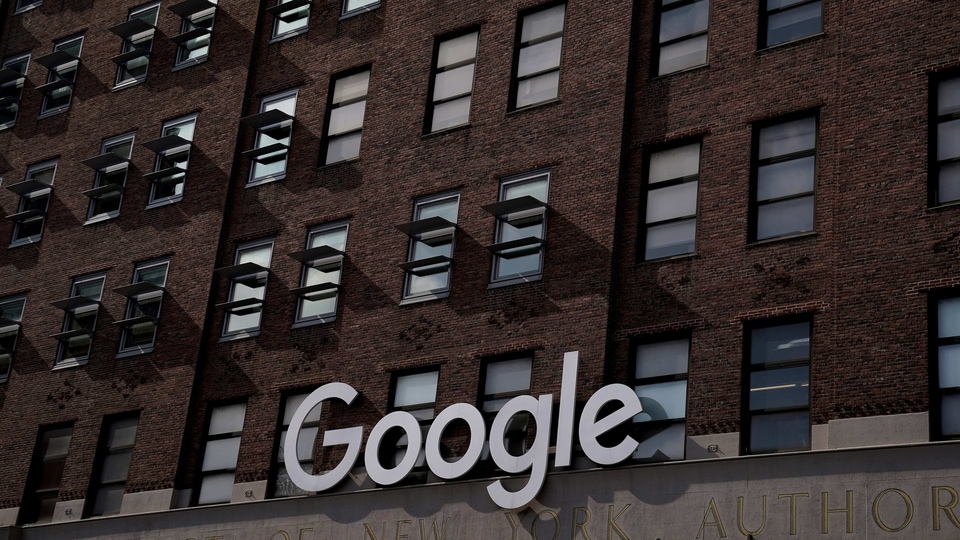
(478, 431)
(408, 423)
(906, 501)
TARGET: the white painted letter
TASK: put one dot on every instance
(591, 428)
(534, 459)
(348, 436)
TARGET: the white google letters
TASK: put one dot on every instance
(534, 459)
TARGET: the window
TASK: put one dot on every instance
(348, 101)
(787, 20)
(431, 233)
(660, 379)
(274, 125)
(34, 193)
(46, 472)
(452, 82)
(415, 393)
(12, 76)
(173, 155)
(248, 284)
(521, 226)
(62, 65)
(112, 465)
(945, 181)
(351, 7)
(144, 295)
(23, 5)
(290, 17)
(539, 42)
(784, 177)
(111, 175)
(220, 452)
(502, 381)
(682, 40)
(322, 272)
(137, 35)
(79, 321)
(11, 312)
(673, 177)
(945, 369)
(193, 41)
(777, 388)
(306, 444)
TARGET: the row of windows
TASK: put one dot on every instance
(517, 250)
(110, 167)
(138, 327)
(683, 28)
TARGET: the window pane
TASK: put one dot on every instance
(542, 23)
(785, 217)
(539, 57)
(216, 488)
(347, 118)
(683, 54)
(416, 389)
(685, 20)
(335, 238)
(450, 114)
(508, 376)
(780, 431)
(457, 50)
(780, 343)
(260, 255)
(948, 139)
(108, 501)
(948, 96)
(663, 358)
(56, 442)
(351, 87)
(424, 284)
(115, 467)
(949, 365)
(675, 163)
(227, 419)
(948, 188)
(785, 178)
(537, 89)
(453, 83)
(662, 401)
(123, 432)
(662, 443)
(292, 403)
(221, 454)
(237, 322)
(536, 188)
(672, 202)
(351, 5)
(777, 4)
(792, 24)
(343, 148)
(948, 317)
(670, 239)
(446, 208)
(950, 415)
(779, 388)
(788, 137)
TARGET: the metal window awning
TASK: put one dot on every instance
(181, 39)
(267, 119)
(132, 27)
(70, 334)
(503, 209)
(103, 162)
(100, 191)
(167, 145)
(318, 291)
(127, 323)
(74, 302)
(28, 186)
(8, 76)
(7, 100)
(136, 289)
(164, 175)
(428, 266)
(121, 59)
(56, 59)
(8, 325)
(319, 257)
(243, 270)
(516, 248)
(20, 217)
(283, 11)
(236, 306)
(53, 86)
(188, 8)
(263, 154)
(427, 229)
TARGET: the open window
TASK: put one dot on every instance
(322, 263)
(34, 193)
(274, 127)
(13, 73)
(431, 246)
(248, 285)
(196, 27)
(79, 321)
(111, 176)
(11, 313)
(521, 227)
(173, 154)
(137, 33)
(62, 66)
(144, 296)
(290, 17)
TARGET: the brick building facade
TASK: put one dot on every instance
(741, 211)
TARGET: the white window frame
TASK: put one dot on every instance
(510, 239)
(240, 276)
(27, 195)
(61, 73)
(110, 167)
(356, 7)
(172, 151)
(196, 31)
(333, 105)
(73, 307)
(141, 297)
(14, 87)
(140, 42)
(322, 274)
(436, 236)
(10, 322)
(26, 5)
(275, 117)
(289, 21)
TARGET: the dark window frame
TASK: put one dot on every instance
(639, 427)
(518, 44)
(206, 438)
(13, 88)
(934, 343)
(72, 308)
(331, 106)
(764, 23)
(658, 46)
(280, 434)
(99, 460)
(32, 496)
(419, 472)
(645, 190)
(935, 120)
(10, 335)
(436, 71)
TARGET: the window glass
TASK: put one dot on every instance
(537, 72)
(345, 117)
(58, 91)
(221, 450)
(527, 259)
(115, 452)
(785, 176)
(671, 207)
(12, 91)
(135, 53)
(273, 140)
(660, 381)
(170, 168)
(787, 20)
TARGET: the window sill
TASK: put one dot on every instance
(803, 39)
(134, 352)
(28, 8)
(793, 236)
(24, 242)
(8, 125)
(240, 336)
(444, 131)
(314, 322)
(189, 63)
(680, 257)
(942, 207)
(517, 280)
(53, 112)
(288, 35)
(359, 11)
(163, 202)
(127, 84)
(265, 180)
(424, 298)
(690, 69)
(71, 363)
(101, 218)
(549, 102)
(339, 163)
